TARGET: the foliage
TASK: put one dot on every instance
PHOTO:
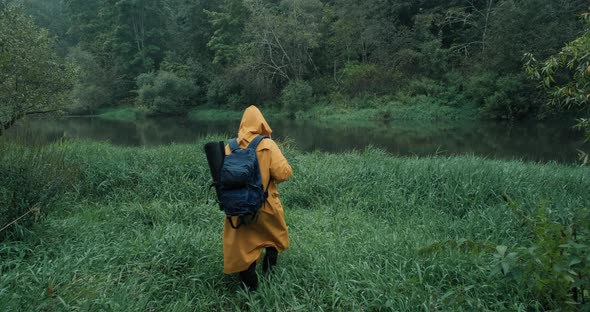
(32, 79)
(511, 100)
(297, 96)
(135, 223)
(566, 75)
(92, 88)
(361, 79)
(225, 90)
(584, 124)
(165, 93)
(572, 89)
(51, 15)
(501, 97)
(520, 27)
(556, 267)
(191, 70)
(30, 178)
(228, 25)
(249, 50)
(281, 38)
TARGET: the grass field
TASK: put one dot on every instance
(133, 231)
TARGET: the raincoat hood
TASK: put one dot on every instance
(253, 124)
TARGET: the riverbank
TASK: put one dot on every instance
(417, 108)
(132, 230)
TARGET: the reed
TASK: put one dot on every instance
(133, 231)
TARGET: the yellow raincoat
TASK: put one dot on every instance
(243, 246)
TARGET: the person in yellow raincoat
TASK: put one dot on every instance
(243, 247)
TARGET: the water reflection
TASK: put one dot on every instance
(555, 141)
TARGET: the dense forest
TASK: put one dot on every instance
(171, 56)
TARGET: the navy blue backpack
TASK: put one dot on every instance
(241, 192)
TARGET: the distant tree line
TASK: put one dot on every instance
(169, 56)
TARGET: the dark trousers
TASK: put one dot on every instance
(249, 276)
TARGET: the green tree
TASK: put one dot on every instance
(228, 24)
(138, 41)
(566, 75)
(51, 15)
(281, 38)
(32, 78)
(92, 88)
(189, 29)
(535, 26)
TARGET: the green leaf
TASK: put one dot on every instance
(575, 261)
(501, 249)
(512, 255)
(505, 267)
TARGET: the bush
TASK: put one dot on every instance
(370, 80)
(510, 100)
(555, 269)
(296, 96)
(359, 78)
(223, 92)
(447, 92)
(426, 87)
(322, 86)
(237, 88)
(165, 93)
(502, 97)
(191, 70)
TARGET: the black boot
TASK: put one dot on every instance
(270, 259)
(249, 278)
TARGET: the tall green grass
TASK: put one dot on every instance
(31, 179)
(369, 232)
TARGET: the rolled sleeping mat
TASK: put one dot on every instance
(215, 152)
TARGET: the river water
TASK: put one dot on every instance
(530, 141)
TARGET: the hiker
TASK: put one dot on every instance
(243, 247)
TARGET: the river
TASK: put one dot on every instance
(529, 141)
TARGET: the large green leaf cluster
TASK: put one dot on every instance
(32, 77)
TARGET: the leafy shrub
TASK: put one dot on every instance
(502, 97)
(189, 69)
(556, 267)
(223, 92)
(584, 125)
(165, 93)
(322, 86)
(296, 96)
(407, 60)
(510, 100)
(360, 78)
(370, 80)
(426, 87)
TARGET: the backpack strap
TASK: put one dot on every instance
(232, 223)
(256, 141)
(233, 145)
